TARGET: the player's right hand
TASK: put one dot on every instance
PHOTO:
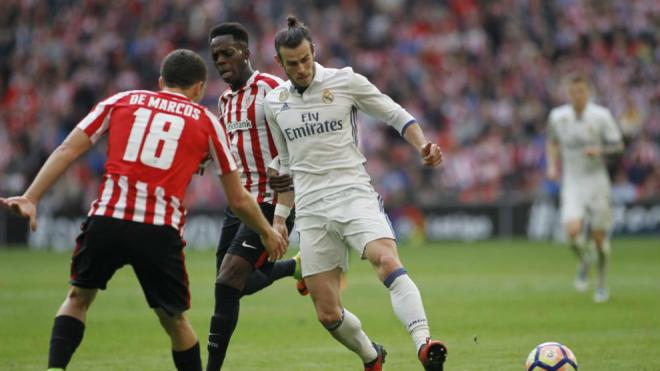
(275, 244)
(593, 151)
(552, 174)
(280, 183)
(431, 154)
(23, 207)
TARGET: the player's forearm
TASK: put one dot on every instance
(285, 198)
(552, 155)
(64, 155)
(415, 136)
(285, 202)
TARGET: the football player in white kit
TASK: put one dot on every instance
(584, 133)
(313, 121)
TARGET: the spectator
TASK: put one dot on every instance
(483, 75)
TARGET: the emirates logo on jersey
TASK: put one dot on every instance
(239, 125)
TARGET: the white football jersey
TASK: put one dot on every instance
(316, 132)
(595, 127)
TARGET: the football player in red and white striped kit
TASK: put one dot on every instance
(240, 260)
(156, 140)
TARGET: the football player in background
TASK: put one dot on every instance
(582, 134)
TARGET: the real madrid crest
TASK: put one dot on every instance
(284, 95)
(327, 96)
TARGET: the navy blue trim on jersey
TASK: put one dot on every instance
(394, 275)
(354, 124)
(403, 130)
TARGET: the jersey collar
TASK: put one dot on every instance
(175, 93)
(587, 107)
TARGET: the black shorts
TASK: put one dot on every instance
(155, 253)
(238, 239)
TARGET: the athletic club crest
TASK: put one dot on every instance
(327, 96)
(284, 95)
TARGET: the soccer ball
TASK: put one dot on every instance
(551, 357)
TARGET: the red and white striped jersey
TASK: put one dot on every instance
(242, 114)
(156, 140)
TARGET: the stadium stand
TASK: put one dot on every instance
(480, 75)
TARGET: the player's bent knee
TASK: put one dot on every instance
(573, 229)
(172, 323)
(387, 263)
(330, 318)
(80, 297)
(234, 272)
(328, 312)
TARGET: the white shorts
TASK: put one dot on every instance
(587, 204)
(327, 228)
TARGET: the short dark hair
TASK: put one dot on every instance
(237, 30)
(578, 78)
(182, 68)
(292, 35)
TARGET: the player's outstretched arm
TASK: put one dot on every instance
(430, 152)
(247, 209)
(66, 153)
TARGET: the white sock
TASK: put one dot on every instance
(408, 306)
(603, 255)
(349, 332)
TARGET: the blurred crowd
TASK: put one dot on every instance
(481, 77)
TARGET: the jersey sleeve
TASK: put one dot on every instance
(220, 147)
(278, 138)
(97, 122)
(610, 132)
(373, 102)
(275, 164)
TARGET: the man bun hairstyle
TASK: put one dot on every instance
(182, 68)
(292, 35)
(292, 21)
(235, 29)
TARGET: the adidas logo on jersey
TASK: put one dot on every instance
(284, 107)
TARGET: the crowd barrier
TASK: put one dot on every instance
(537, 220)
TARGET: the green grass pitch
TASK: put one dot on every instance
(492, 302)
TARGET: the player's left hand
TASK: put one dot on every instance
(431, 154)
(23, 207)
(593, 151)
